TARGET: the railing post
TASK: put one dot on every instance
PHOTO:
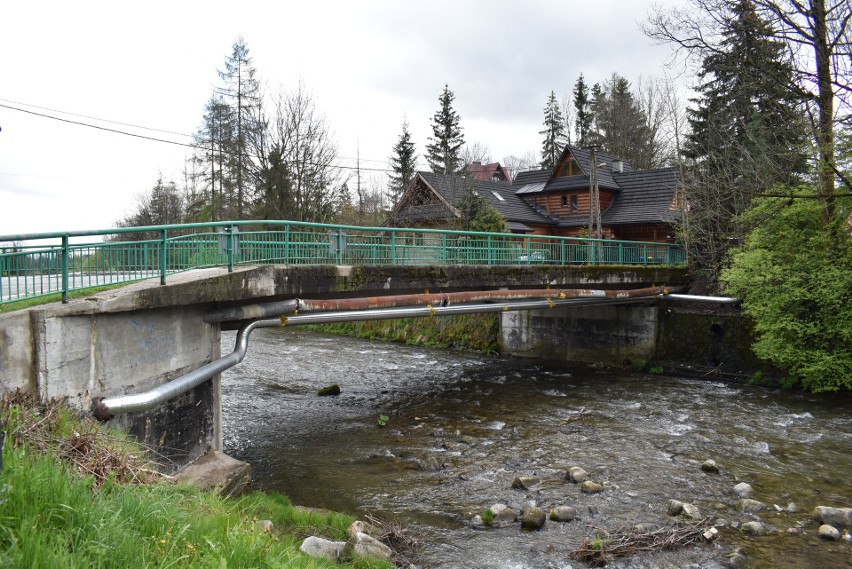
(444, 248)
(644, 254)
(229, 247)
(489, 250)
(287, 244)
(65, 254)
(620, 253)
(163, 235)
(393, 247)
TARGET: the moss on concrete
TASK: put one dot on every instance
(477, 332)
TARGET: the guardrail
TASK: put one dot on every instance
(41, 264)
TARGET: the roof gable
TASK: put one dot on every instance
(500, 195)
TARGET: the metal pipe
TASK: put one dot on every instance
(453, 310)
(106, 408)
(253, 311)
(700, 298)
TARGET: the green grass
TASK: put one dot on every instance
(475, 332)
(57, 297)
(53, 516)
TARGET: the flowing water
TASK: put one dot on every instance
(461, 427)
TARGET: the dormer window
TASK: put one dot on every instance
(568, 167)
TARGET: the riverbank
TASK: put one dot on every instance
(75, 494)
(475, 332)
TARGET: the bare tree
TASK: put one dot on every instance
(299, 180)
(475, 152)
(816, 34)
(515, 164)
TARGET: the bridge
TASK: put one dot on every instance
(148, 353)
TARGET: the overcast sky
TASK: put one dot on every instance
(367, 64)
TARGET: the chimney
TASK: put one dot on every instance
(618, 166)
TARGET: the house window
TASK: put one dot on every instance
(564, 201)
(575, 204)
(498, 196)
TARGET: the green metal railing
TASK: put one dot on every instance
(41, 264)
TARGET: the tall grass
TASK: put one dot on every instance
(54, 517)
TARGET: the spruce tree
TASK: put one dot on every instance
(621, 126)
(444, 148)
(402, 163)
(241, 90)
(583, 111)
(554, 133)
(747, 133)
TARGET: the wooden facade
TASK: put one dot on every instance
(636, 205)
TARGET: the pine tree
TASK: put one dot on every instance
(555, 138)
(747, 133)
(402, 163)
(621, 126)
(241, 90)
(583, 111)
(443, 151)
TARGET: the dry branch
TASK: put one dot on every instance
(597, 552)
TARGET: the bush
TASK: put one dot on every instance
(794, 277)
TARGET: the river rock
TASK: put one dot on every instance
(363, 527)
(675, 507)
(748, 506)
(743, 490)
(264, 526)
(524, 482)
(362, 545)
(318, 547)
(829, 532)
(329, 390)
(532, 518)
(430, 464)
(838, 517)
(590, 487)
(710, 466)
(476, 521)
(577, 475)
(754, 528)
(563, 513)
(691, 512)
(503, 515)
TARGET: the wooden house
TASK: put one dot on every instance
(637, 205)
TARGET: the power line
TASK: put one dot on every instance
(163, 140)
(95, 118)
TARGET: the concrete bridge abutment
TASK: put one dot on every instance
(133, 339)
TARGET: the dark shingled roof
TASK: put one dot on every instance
(511, 207)
(531, 177)
(646, 196)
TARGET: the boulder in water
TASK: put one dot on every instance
(532, 518)
(563, 513)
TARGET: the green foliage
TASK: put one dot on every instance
(382, 421)
(403, 163)
(795, 278)
(747, 133)
(488, 517)
(479, 215)
(584, 115)
(656, 370)
(443, 153)
(476, 332)
(51, 516)
(555, 137)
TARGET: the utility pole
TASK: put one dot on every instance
(594, 197)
